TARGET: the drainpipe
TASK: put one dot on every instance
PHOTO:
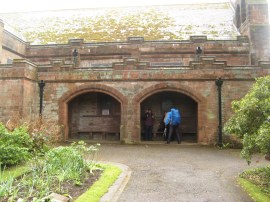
(41, 85)
(219, 83)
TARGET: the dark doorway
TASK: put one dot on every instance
(94, 116)
(162, 102)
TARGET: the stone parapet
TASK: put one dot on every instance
(121, 48)
(20, 69)
(113, 53)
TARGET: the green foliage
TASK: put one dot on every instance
(15, 146)
(20, 140)
(250, 119)
(12, 155)
(259, 177)
(59, 166)
(65, 161)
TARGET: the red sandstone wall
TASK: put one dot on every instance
(30, 100)
(133, 86)
(12, 47)
(17, 100)
(255, 25)
(181, 53)
(11, 92)
(18, 92)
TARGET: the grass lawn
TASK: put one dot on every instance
(256, 182)
(254, 191)
(100, 187)
(13, 172)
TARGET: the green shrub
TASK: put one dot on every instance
(250, 120)
(15, 146)
(21, 140)
(12, 155)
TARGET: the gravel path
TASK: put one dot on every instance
(183, 172)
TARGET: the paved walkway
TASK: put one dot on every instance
(185, 172)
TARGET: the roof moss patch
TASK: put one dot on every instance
(175, 22)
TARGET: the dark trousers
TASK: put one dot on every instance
(177, 132)
(148, 132)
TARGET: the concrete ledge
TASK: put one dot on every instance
(119, 185)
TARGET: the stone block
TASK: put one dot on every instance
(54, 197)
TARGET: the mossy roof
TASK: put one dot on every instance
(172, 22)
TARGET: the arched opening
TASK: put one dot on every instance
(94, 116)
(162, 102)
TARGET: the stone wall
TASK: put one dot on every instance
(12, 48)
(178, 53)
(131, 72)
(132, 87)
(129, 82)
(18, 92)
(252, 20)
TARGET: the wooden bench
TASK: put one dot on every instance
(98, 135)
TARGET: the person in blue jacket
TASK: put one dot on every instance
(173, 119)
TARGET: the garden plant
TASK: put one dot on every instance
(251, 123)
(63, 169)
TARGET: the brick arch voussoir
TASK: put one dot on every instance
(78, 90)
(161, 87)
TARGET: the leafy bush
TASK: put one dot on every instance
(251, 119)
(43, 132)
(12, 155)
(15, 146)
(21, 139)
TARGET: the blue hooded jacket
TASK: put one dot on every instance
(173, 117)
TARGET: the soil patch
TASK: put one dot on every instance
(76, 190)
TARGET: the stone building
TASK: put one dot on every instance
(101, 91)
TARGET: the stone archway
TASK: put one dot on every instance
(83, 90)
(160, 103)
(174, 87)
